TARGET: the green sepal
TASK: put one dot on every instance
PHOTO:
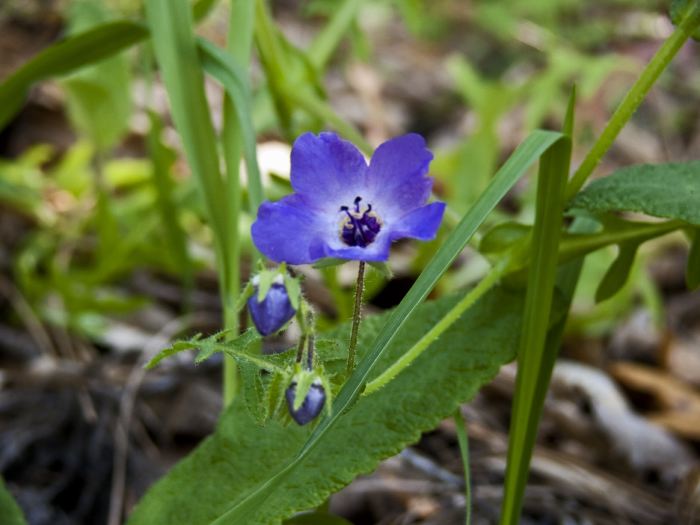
(243, 297)
(304, 379)
(329, 262)
(382, 268)
(266, 278)
(293, 287)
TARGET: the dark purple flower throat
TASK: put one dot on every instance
(359, 228)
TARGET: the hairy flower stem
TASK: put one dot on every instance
(635, 96)
(356, 316)
(300, 348)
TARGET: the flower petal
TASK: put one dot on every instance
(327, 170)
(288, 231)
(397, 174)
(377, 251)
(421, 224)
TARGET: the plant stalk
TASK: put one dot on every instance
(356, 316)
(633, 99)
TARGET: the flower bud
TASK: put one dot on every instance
(270, 314)
(312, 405)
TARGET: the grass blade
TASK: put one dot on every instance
(233, 136)
(162, 159)
(523, 157)
(68, 55)
(327, 40)
(224, 69)
(535, 358)
(181, 71)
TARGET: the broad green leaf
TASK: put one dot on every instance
(241, 454)
(316, 518)
(661, 190)
(10, 513)
(680, 8)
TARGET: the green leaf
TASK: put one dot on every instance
(241, 455)
(661, 190)
(232, 77)
(680, 8)
(10, 513)
(692, 269)
(618, 273)
(178, 58)
(316, 518)
(99, 96)
(64, 57)
(216, 343)
(163, 158)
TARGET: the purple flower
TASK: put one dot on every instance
(270, 314)
(344, 208)
(312, 405)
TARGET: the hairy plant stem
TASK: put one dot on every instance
(300, 348)
(356, 316)
(633, 99)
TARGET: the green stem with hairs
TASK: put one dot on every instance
(635, 96)
(356, 316)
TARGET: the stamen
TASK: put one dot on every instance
(359, 228)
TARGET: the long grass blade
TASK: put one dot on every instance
(176, 52)
(535, 358)
(327, 40)
(68, 55)
(523, 157)
(241, 24)
(225, 69)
